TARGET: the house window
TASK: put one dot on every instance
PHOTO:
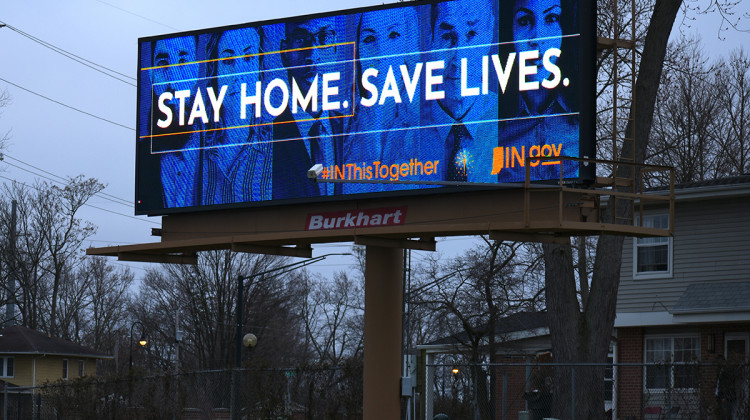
(609, 382)
(671, 362)
(653, 256)
(7, 365)
(65, 369)
(81, 368)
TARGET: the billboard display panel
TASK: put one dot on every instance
(461, 90)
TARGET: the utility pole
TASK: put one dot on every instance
(10, 306)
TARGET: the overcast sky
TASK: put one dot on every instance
(63, 142)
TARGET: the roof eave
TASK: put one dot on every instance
(39, 353)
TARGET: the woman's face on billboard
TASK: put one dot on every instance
(385, 34)
(238, 63)
(536, 26)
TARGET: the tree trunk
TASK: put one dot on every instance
(584, 336)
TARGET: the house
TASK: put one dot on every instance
(683, 304)
(29, 358)
(522, 346)
(683, 310)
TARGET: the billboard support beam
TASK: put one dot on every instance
(159, 258)
(298, 251)
(499, 235)
(382, 352)
(420, 245)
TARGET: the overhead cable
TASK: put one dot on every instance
(88, 63)
(137, 15)
(61, 179)
(86, 204)
(67, 106)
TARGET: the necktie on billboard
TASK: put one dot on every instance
(318, 150)
(458, 159)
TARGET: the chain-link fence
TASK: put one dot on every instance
(501, 391)
(627, 391)
(299, 393)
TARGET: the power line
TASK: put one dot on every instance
(63, 179)
(88, 63)
(68, 106)
(86, 204)
(137, 15)
(122, 214)
(105, 196)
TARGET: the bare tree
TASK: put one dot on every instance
(581, 331)
(470, 293)
(63, 232)
(48, 248)
(108, 299)
(205, 296)
(29, 254)
(732, 83)
(686, 114)
(333, 314)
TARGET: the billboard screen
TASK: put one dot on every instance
(462, 90)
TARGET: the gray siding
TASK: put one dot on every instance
(711, 243)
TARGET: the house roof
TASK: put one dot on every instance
(726, 186)
(516, 323)
(714, 298)
(729, 180)
(22, 340)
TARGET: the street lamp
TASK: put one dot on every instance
(142, 342)
(250, 339)
(240, 292)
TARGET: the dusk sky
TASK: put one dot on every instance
(52, 140)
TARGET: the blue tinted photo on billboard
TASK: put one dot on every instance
(461, 125)
(385, 125)
(455, 91)
(311, 127)
(540, 112)
(237, 157)
(168, 148)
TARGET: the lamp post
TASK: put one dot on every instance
(235, 403)
(142, 342)
(240, 295)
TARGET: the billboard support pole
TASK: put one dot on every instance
(382, 352)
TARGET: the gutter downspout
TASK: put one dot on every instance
(615, 378)
(33, 370)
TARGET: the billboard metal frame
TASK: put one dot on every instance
(586, 69)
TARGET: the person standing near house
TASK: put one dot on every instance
(726, 390)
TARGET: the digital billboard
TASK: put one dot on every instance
(461, 90)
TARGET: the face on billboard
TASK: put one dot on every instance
(537, 26)
(462, 30)
(171, 58)
(308, 45)
(387, 38)
(238, 63)
(385, 94)
(386, 41)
